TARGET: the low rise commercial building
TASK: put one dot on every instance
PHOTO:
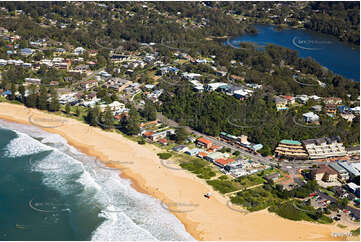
(272, 177)
(324, 173)
(291, 149)
(324, 147)
(353, 150)
(342, 173)
(204, 143)
(351, 170)
(212, 157)
(193, 152)
(355, 189)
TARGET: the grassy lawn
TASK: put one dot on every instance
(199, 167)
(164, 156)
(341, 226)
(306, 213)
(255, 179)
(224, 185)
(255, 199)
(251, 180)
(330, 193)
(355, 232)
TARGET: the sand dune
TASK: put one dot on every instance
(179, 190)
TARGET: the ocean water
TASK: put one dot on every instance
(51, 191)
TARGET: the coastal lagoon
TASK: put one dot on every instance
(51, 191)
(337, 56)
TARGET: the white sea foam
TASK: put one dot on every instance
(129, 215)
(23, 145)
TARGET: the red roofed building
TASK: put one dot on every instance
(202, 154)
(222, 162)
(148, 134)
(290, 100)
(204, 143)
(215, 148)
(163, 141)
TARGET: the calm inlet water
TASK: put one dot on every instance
(51, 191)
(337, 56)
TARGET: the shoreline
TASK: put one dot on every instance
(150, 177)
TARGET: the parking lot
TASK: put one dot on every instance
(346, 216)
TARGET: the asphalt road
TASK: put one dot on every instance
(216, 141)
(354, 211)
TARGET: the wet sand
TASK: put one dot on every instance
(179, 190)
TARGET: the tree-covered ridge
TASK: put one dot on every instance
(120, 20)
(212, 113)
(339, 18)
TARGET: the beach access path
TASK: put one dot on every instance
(178, 187)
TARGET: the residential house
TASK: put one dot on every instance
(253, 85)
(239, 78)
(163, 141)
(36, 81)
(281, 104)
(212, 157)
(221, 73)
(332, 100)
(148, 134)
(168, 69)
(202, 155)
(191, 139)
(3, 62)
(356, 110)
(204, 143)
(324, 173)
(290, 100)
(272, 177)
(344, 109)
(161, 135)
(180, 148)
(316, 98)
(79, 51)
(311, 117)
(214, 86)
(118, 84)
(81, 69)
(3, 30)
(302, 98)
(114, 106)
(348, 116)
(26, 51)
(65, 65)
(331, 109)
(191, 76)
(89, 84)
(241, 94)
(6, 93)
(193, 152)
(221, 162)
(317, 108)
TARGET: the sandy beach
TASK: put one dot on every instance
(181, 191)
